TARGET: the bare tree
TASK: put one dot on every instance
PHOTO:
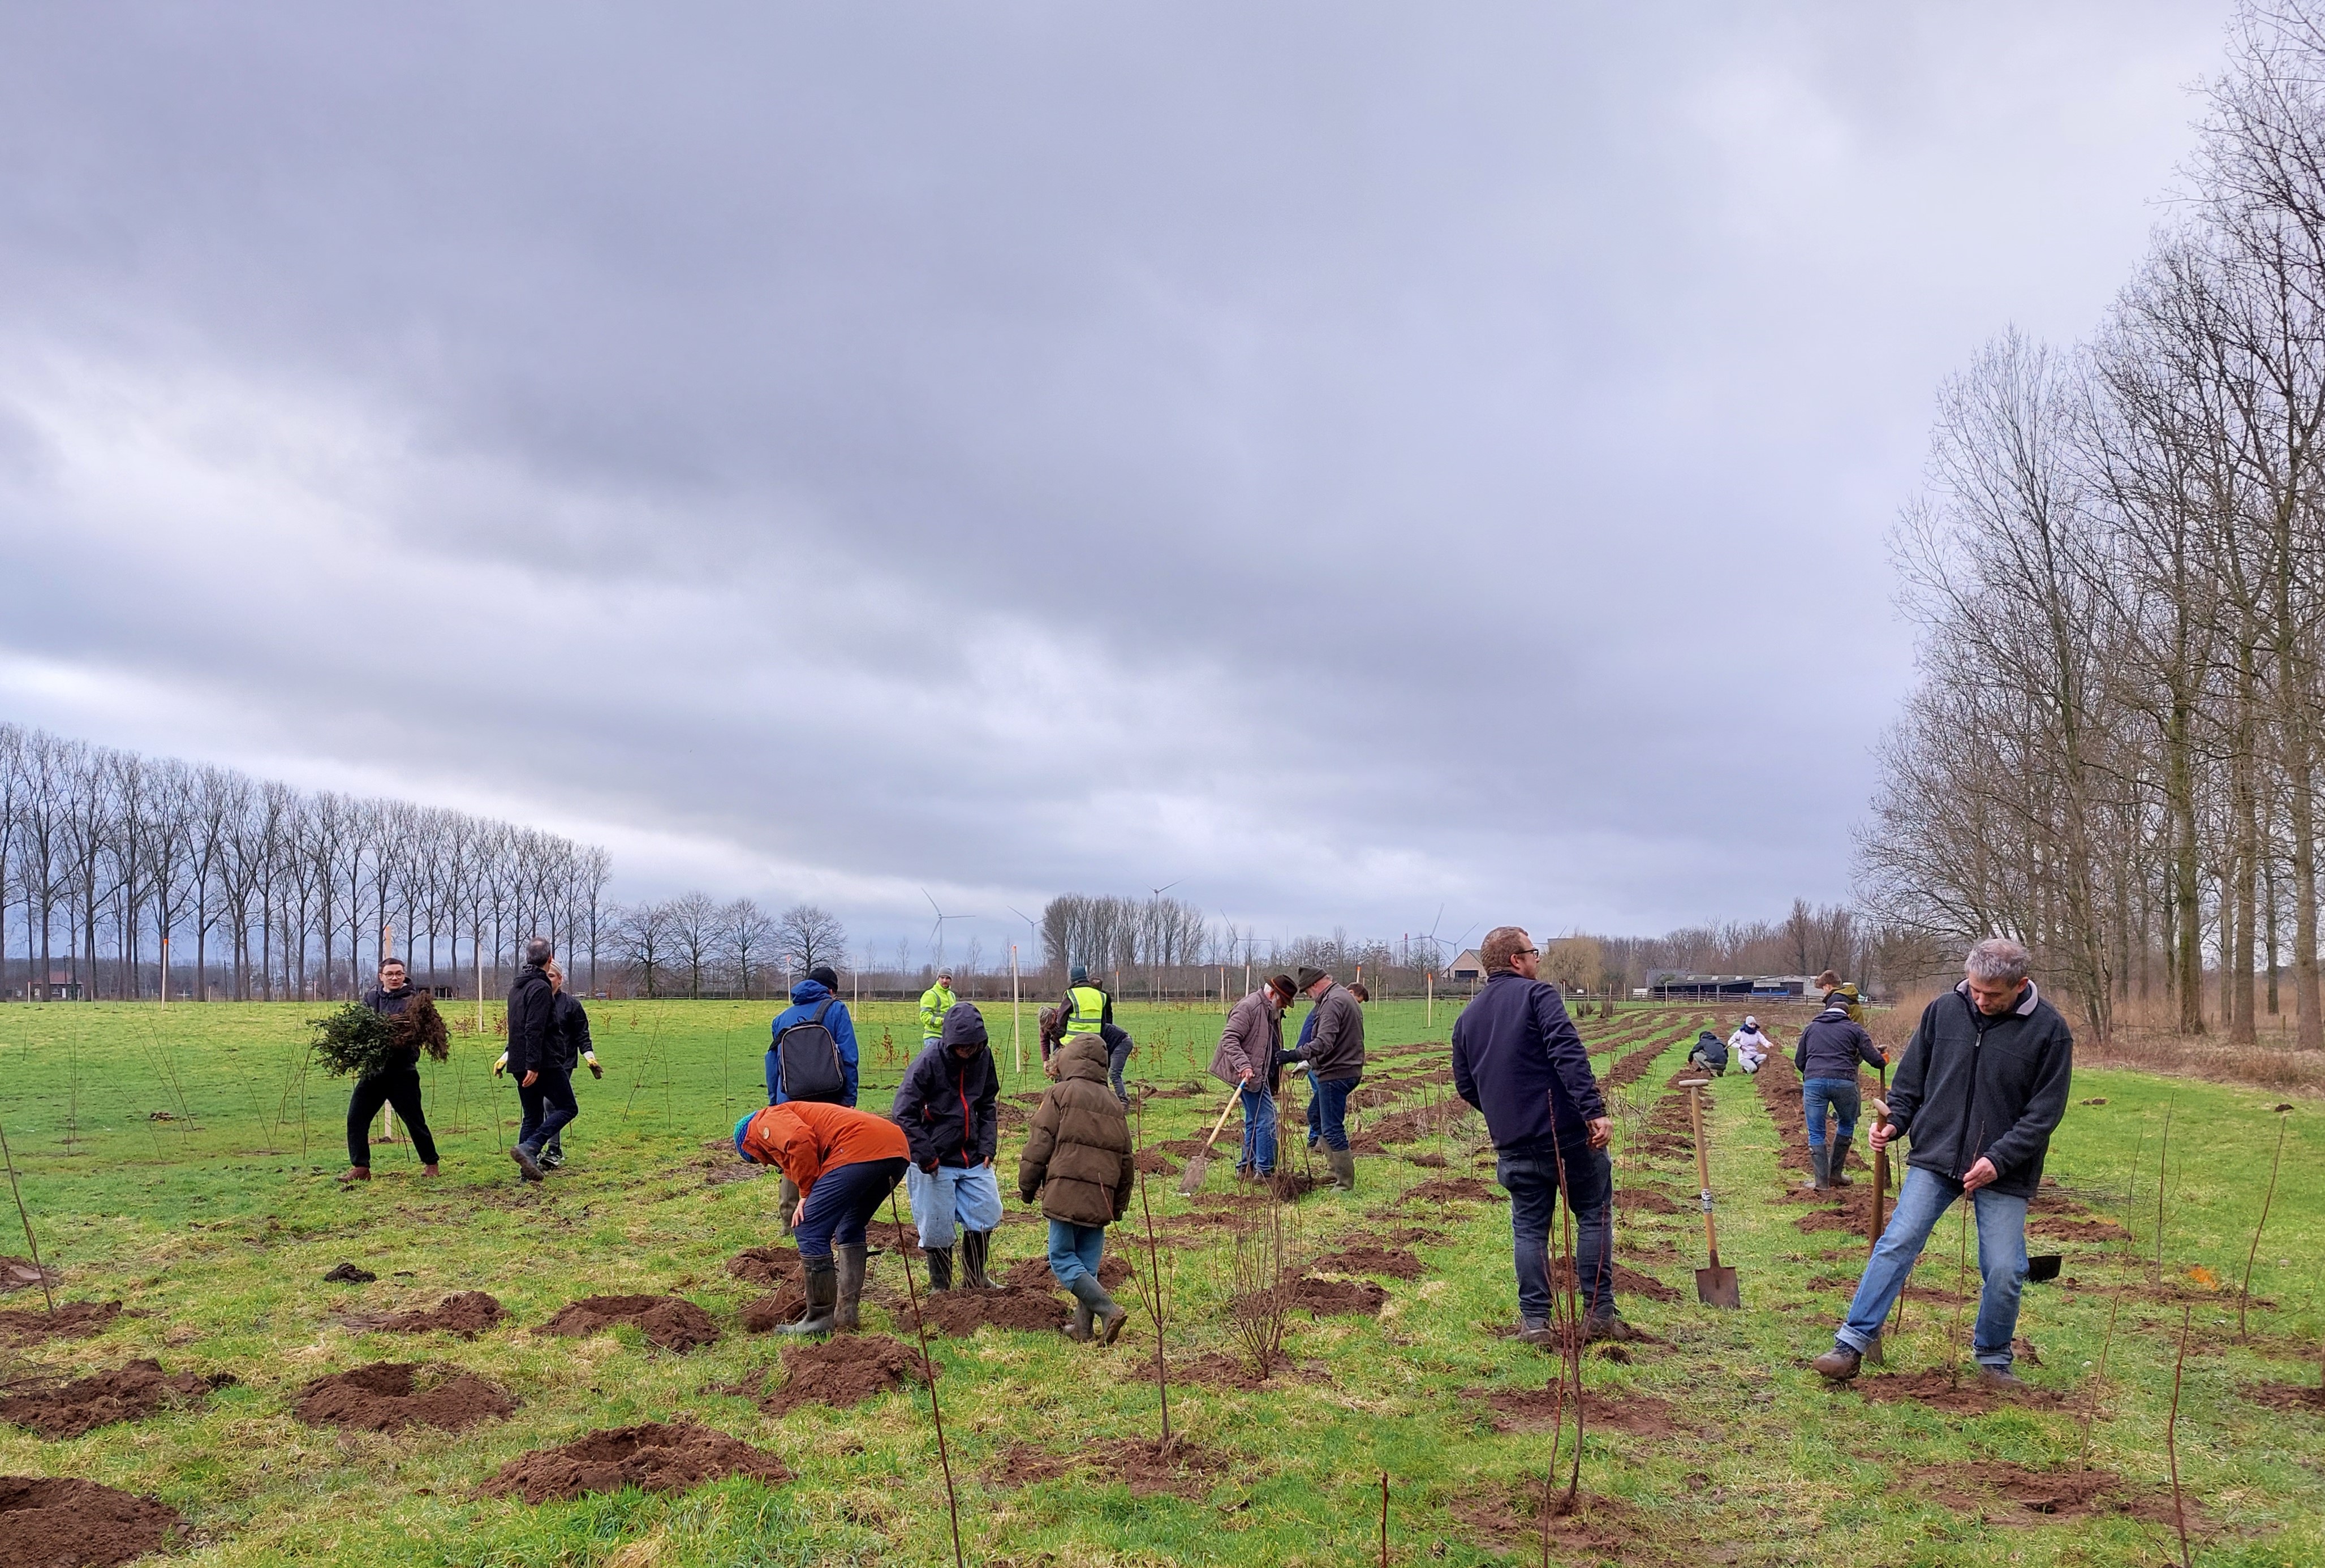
(807, 935)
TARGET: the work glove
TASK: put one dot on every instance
(591, 1058)
(501, 1065)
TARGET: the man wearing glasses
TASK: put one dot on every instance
(1518, 1057)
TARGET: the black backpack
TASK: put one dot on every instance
(808, 1060)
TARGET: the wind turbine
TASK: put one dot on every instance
(936, 929)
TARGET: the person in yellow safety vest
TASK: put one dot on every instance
(1087, 1009)
(935, 1002)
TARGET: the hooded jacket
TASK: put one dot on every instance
(1833, 1044)
(1710, 1047)
(806, 998)
(946, 1102)
(530, 1007)
(805, 1137)
(569, 1029)
(1337, 1053)
(935, 1003)
(1971, 1086)
(1518, 1057)
(1077, 1158)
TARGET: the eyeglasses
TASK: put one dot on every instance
(1527, 952)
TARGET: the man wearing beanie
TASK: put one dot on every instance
(811, 1055)
(1335, 1056)
(945, 1107)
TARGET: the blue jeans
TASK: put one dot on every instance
(1329, 1116)
(841, 1200)
(1117, 1060)
(953, 1197)
(1075, 1250)
(1315, 1127)
(1532, 1181)
(548, 1105)
(1846, 1099)
(1258, 1132)
(1921, 1201)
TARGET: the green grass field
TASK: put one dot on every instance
(216, 1225)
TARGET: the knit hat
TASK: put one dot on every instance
(740, 1129)
(1079, 975)
(1751, 1025)
(1308, 977)
(1283, 986)
(824, 975)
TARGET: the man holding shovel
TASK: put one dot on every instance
(1518, 1057)
(1250, 1053)
(1983, 1085)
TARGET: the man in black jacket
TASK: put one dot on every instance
(945, 1105)
(397, 1085)
(1983, 1085)
(1335, 1054)
(543, 1087)
(1828, 1053)
(1518, 1057)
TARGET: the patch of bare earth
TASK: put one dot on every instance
(766, 1313)
(1395, 1263)
(1033, 1274)
(72, 1320)
(656, 1457)
(1448, 1190)
(1537, 1409)
(1147, 1467)
(768, 1265)
(1334, 1297)
(1627, 1282)
(844, 1370)
(62, 1522)
(467, 1314)
(57, 1409)
(387, 1395)
(2003, 1493)
(2287, 1395)
(964, 1311)
(1510, 1518)
(671, 1322)
(1958, 1395)
(23, 1274)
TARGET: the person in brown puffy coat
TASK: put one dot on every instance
(1077, 1163)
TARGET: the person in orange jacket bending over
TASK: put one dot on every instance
(844, 1162)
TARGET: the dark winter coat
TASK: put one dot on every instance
(1969, 1086)
(387, 1005)
(1252, 1042)
(1518, 1057)
(1337, 1053)
(1077, 1157)
(568, 1030)
(1833, 1044)
(531, 1006)
(946, 1103)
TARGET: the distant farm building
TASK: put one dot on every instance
(1679, 986)
(1467, 967)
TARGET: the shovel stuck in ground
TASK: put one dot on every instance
(1191, 1180)
(1715, 1286)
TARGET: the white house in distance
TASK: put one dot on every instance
(1467, 967)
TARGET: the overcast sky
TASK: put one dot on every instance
(1345, 459)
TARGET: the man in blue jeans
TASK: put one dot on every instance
(1982, 1086)
(1518, 1057)
(1335, 1054)
(1828, 1053)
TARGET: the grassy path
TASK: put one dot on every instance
(215, 1229)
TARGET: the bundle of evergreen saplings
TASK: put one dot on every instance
(354, 1041)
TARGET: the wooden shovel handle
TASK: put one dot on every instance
(1232, 1096)
(1702, 1170)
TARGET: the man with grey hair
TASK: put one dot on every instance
(1983, 1084)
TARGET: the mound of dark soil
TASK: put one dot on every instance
(1033, 1274)
(1155, 1163)
(388, 1395)
(671, 1322)
(1394, 1262)
(59, 1521)
(348, 1274)
(964, 1311)
(20, 1274)
(72, 1320)
(844, 1371)
(1430, 1162)
(1506, 1518)
(2287, 1395)
(1333, 1297)
(2091, 1227)
(1627, 1282)
(1449, 1190)
(2028, 1497)
(1648, 1200)
(1535, 1409)
(1963, 1395)
(1147, 1467)
(130, 1394)
(891, 1236)
(768, 1265)
(467, 1314)
(1188, 1148)
(773, 1311)
(657, 1457)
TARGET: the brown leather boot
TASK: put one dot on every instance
(1839, 1364)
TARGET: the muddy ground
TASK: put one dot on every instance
(130, 1393)
(61, 1522)
(843, 1371)
(656, 1457)
(388, 1395)
(671, 1322)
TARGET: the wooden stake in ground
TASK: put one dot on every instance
(928, 1374)
(2244, 1292)
(1383, 1538)
(1151, 1291)
(2171, 1438)
(26, 1216)
(2163, 1169)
